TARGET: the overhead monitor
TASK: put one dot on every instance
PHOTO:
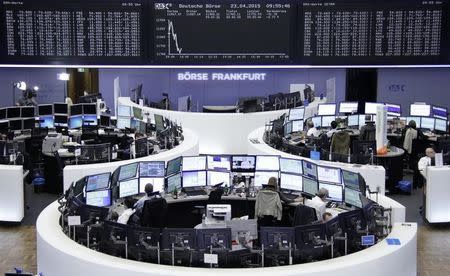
(297, 126)
(267, 163)
(100, 198)
(393, 110)
(439, 112)
(123, 122)
(243, 163)
(128, 187)
(46, 121)
(288, 165)
(309, 169)
(352, 197)
(123, 110)
(60, 108)
(157, 182)
(27, 112)
(262, 178)
(351, 180)
(174, 182)
(90, 109)
(329, 174)
(427, 123)
(326, 109)
(415, 119)
(97, 182)
(13, 112)
(61, 120)
(440, 125)
(371, 108)
(90, 120)
(317, 121)
(76, 109)
(45, 109)
(29, 123)
(75, 122)
(334, 191)
(310, 186)
(173, 166)
(326, 120)
(353, 120)
(194, 179)
(216, 177)
(2, 113)
(348, 107)
(291, 182)
(152, 169)
(15, 124)
(137, 113)
(219, 162)
(128, 171)
(194, 163)
(422, 110)
(296, 113)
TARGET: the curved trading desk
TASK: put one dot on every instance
(11, 193)
(189, 146)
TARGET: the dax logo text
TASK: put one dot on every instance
(397, 88)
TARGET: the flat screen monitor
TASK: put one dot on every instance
(2, 113)
(422, 110)
(326, 109)
(348, 107)
(427, 123)
(296, 113)
(440, 125)
(326, 120)
(76, 109)
(219, 162)
(15, 124)
(152, 169)
(128, 171)
(288, 165)
(174, 166)
(334, 191)
(352, 197)
(61, 120)
(13, 112)
(219, 238)
(297, 126)
(97, 182)
(353, 120)
(262, 178)
(29, 123)
(46, 121)
(329, 174)
(60, 108)
(137, 113)
(440, 112)
(174, 182)
(123, 122)
(105, 121)
(216, 177)
(123, 110)
(278, 237)
(128, 187)
(4, 127)
(309, 169)
(362, 120)
(267, 163)
(75, 122)
(243, 163)
(415, 119)
(287, 128)
(291, 182)
(194, 179)
(178, 237)
(159, 122)
(371, 108)
(90, 109)
(194, 163)
(100, 198)
(157, 182)
(393, 110)
(310, 186)
(90, 120)
(351, 180)
(317, 121)
(27, 112)
(45, 109)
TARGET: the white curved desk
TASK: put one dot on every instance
(11, 193)
(58, 255)
(189, 146)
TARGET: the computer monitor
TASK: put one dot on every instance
(440, 125)
(307, 236)
(97, 182)
(317, 121)
(141, 147)
(326, 120)
(427, 123)
(348, 107)
(351, 180)
(329, 174)
(217, 238)
(243, 163)
(334, 191)
(362, 120)
(219, 162)
(76, 109)
(326, 109)
(173, 166)
(137, 113)
(152, 169)
(101, 198)
(297, 126)
(353, 120)
(105, 121)
(60, 108)
(439, 112)
(310, 186)
(292, 182)
(288, 165)
(15, 124)
(159, 122)
(422, 110)
(4, 127)
(29, 123)
(194, 163)
(13, 112)
(352, 197)
(309, 169)
(75, 122)
(157, 182)
(194, 179)
(90, 120)
(61, 120)
(371, 108)
(277, 237)
(89, 109)
(45, 109)
(287, 128)
(217, 177)
(415, 119)
(2, 113)
(178, 237)
(128, 187)
(296, 113)
(128, 171)
(267, 163)
(123, 110)
(46, 121)
(393, 109)
(262, 178)
(123, 122)
(174, 182)
(137, 235)
(27, 112)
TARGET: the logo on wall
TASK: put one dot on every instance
(189, 76)
(396, 88)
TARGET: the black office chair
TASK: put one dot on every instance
(215, 196)
(304, 215)
(154, 213)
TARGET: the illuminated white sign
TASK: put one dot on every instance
(189, 76)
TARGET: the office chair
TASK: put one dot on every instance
(154, 213)
(215, 196)
(304, 215)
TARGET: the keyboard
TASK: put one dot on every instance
(195, 193)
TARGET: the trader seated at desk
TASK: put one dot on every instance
(312, 130)
(333, 129)
(367, 131)
(149, 195)
(319, 202)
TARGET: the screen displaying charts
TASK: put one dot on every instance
(427, 123)
(317, 121)
(310, 186)
(123, 122)
(97, 182)
(267, 163)
(215, 178)
(128, 171)
(296, 113)
(423, 110)
(222, 163)
(152, 169)
(371, 108)
(75, 122)
(99, 198)
(194, 163)
(440, 112)
(128, 187)
(261, 178)
(351, 180)
(393, 110)
(157, 182)
(123, 110)
(194, 179)
(243, 163)
(326, 120)
(329, 174)
(288, 165)
(297, 126)
(441, 125)
(334, 191)
(173, 166)
(353, 120)
(310, 169)
(352, 197)
(174, 182)
(326, 109)
(291, 182)
(348, 107)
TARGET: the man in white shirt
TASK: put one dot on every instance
(319, 202)
(128, 212)
(312, 130)
(333, 129)
(425, 161)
